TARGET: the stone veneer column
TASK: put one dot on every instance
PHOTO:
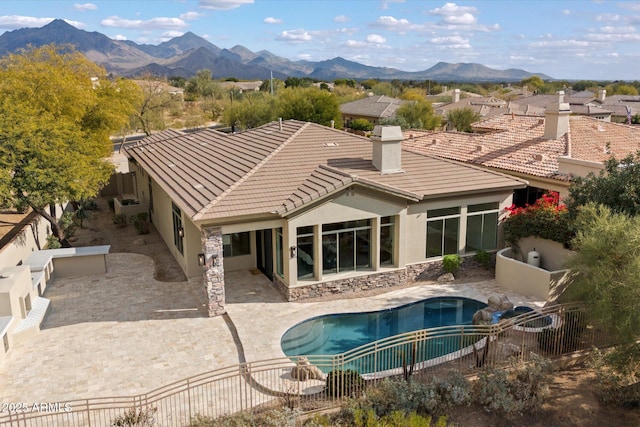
(212, 247)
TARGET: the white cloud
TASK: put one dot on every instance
(452, 9)
(295, 36)
(223, 4)
(385, 3)
(119, 37)
(305, 56)
(618, 30)
(150, 24)
(566, 12)
(190, 16)
(376, 38)
(84, 7)
(272, 20)
(456, 17)
(171, 34)
(12, 22)
(464, 19)
(341, 18)
(456, 42)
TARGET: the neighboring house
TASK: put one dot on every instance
(375, 108)
(622, 107)
(243, 86)
(485, 106)
(581, 103)
(547, 152)
(318, 210)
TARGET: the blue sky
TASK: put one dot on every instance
(563, 39)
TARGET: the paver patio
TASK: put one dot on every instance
(124, 333)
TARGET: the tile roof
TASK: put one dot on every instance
(515, 143)
(275, 169)
(372, 106)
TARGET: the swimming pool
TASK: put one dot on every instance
(338, 333)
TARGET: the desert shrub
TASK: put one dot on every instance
(520, 389)
(483, 257)
(565, 338)
(67, 223)
(361, 124)
(451, 263)
(614, 386)
(120, 219)
(435, 397)
(367, 418)
(279, 417)
(141, 222)
(53, 242)
(136, 418)
(344, 383)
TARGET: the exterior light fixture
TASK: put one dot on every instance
(293, 251)
(201, 260)
(180, 232)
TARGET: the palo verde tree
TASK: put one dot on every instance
(461, 119)
(57, 110)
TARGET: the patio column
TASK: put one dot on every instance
(212, 247)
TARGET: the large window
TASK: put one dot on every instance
(178, 231)
(236, 244)
(305, 252)
(443, 228)
(482, 227)
(346, 246)
(387, 240)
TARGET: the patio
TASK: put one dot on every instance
(124, 333)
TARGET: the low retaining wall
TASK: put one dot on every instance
(527, 279)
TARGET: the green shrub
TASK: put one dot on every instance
(361, 124)
(279, 417)
(344, 383)
(136, 418)
(120, 219)
(451, 263)
(515, 391)
(53, 242)
(67, 223)
(141, 222)
(484, 258)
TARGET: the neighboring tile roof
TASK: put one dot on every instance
(515, 143)
(381, 107)
(273, 170)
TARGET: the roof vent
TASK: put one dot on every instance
(198, 186)
(330, 144)
(539, 157)
(434, 141)
(479, 148)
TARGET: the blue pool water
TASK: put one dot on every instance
(338, 333)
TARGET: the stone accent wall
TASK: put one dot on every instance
(212, 247)
(366, 283)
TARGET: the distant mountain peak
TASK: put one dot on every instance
(189, 53)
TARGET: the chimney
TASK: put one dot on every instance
(456, 95)
(602, 94)
(387, 149)
(556, 118)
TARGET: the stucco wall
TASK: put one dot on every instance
(553, 255)
(527, 279)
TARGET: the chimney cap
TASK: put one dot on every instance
(387, 133)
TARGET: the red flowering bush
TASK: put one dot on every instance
(547, 218)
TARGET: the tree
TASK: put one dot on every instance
(251, 111)
(309, 105)
(616, 186)
(415, 115)
(607, 276)
(57, 110)
(461, 119)
(533, 83)
(149, 114)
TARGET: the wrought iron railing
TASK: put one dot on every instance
(549, 332)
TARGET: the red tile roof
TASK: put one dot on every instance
(515, 143)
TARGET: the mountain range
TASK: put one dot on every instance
(185, 55)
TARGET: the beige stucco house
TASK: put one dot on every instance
(315, 209)
(374, 108)
(545, 151)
